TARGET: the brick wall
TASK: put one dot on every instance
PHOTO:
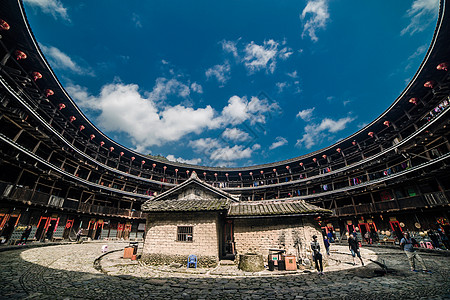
(161, 237)
(260, 235)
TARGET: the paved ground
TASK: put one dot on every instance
(68, 272)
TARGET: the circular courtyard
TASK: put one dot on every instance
(82, 271)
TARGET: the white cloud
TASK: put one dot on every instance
(53, 7)
(281, 86)
(62, 61)
(165, 87)
(136, 20)
(235, 135)
(421, 13)
(259, 57)
(318, 11)
(121, 108)
(220, 72)
(306, 114)
(194, 161)
(279, 141)
(314, 133)
(220, 153)
(239, 110)
(419, 51)
(227, 153)
(197, 88)
(230, 47)
(293, 74)
(147, 121)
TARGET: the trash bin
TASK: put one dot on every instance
(281, 265)
(128, 252)
(135, 246)
(271, 265)
(291, 263)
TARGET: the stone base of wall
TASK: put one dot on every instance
(167, 259)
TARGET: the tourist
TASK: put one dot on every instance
(25, 235)
(354, 248)
(367, 237)
(317, 256)
(79, 234)
(327, 244)
(444, 238)
(434, 239)
(407, 243)
(330, 236)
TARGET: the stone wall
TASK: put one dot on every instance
(161, 245)
(260, 235)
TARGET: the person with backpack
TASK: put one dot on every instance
(407, 244)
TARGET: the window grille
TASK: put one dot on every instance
(185, 233)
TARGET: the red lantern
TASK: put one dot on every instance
(153, 166)
(442, 67)
(187, 172)
(240, 174)
(262, 172)
(287, 167)
(133, 158)
(338, 150)
(143, 162)
(102, 143)
(82, 127)
(314, 159)
(111, 149)
(371, 134)
(4, 25)
(49, 92)
(204, 174)
(324, 156)
(215, 175)
(176, 170)
(226, 174)
(274, 170)
(20, 55)
(72, 118)
(387, 123)
(301, 164)
(251, 173)
(36, 75)
(61, 106)
(121, 153)
(354, 143)
(92, 136)
(429, 84)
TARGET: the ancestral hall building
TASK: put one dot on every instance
(197, 218)
(59, 172)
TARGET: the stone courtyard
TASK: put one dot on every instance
(81, 271)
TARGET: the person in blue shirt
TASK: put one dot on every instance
(407, 243)
(327, 244)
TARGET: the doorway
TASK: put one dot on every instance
(228, 248)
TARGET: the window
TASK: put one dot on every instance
(184, 233)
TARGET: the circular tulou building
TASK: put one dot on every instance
(59, 173)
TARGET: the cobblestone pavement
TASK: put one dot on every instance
(68, 272)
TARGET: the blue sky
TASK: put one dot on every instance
(233, 83)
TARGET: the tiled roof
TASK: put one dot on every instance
(186, 205)
(274, 208)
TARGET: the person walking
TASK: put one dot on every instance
(407, 243)
(317, 256)
(354, 248)
(25, 235)
(79, 234)
(327, 244)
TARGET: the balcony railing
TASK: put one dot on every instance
(26, 194)
(430, 199)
